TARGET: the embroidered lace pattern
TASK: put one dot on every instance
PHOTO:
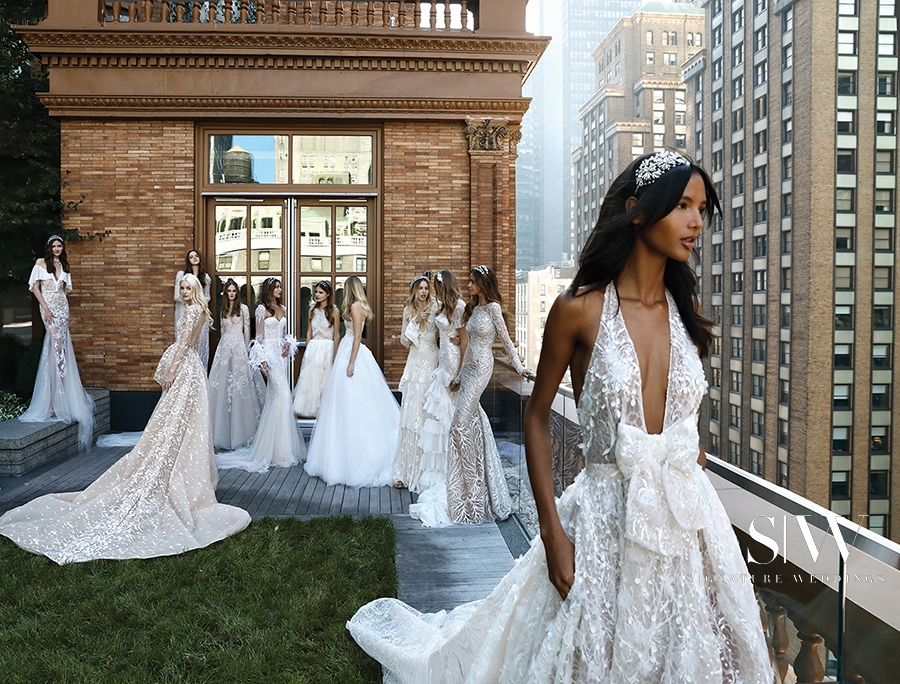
(646, 607)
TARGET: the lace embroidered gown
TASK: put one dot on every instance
(58, 393)
(421, 362)
(277, 442)
(234, 396)
(203, 346)
(316, 367)
(476, 486)
(654, 599)
(157, 500)
(355, 435)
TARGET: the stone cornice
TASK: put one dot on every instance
(268, 41)
(187, 61)
(167, 107)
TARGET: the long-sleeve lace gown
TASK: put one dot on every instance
(234, 394)
(421, 362)
(277, 442)
(476, 487)
(316, 367)
(355, 436)
(157, 500)
(58, 393)
(203, 345)
(657, 597)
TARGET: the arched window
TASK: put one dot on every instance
(649, 37)
(665, 37)
(690, 39)
(698, 40)
(674, 39)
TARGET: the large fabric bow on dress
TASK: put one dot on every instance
(662, 487)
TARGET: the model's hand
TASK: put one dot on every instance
(528, 374)
(48, 315)
(264, 369)
(454, 384)
(422, 315)
(286, 349)
(170, 378)
(350, 370)
(560, 562)
(455, 339)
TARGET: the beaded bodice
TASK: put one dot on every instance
(320, 328)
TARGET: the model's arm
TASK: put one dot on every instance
(309, 320)
(560, 339)
(286, 340)
(206, 287)
(335, 329)
(35, 283)
(178, 277)
(245, 324)
(260, 324)
(409, 329)
(500, 326)
(358, 316)
(192, 321)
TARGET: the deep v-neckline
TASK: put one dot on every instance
(637, 361)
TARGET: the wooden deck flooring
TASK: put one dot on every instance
(437, 569)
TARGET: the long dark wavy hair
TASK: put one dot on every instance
(189, 267)
(49, 259)
(489, 291)
(327, 308)
(446, 291)
(267, 295)
(230, 308)
(609, 245)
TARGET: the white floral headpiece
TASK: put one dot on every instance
(438, 277)
(483, 270)
(654, 166)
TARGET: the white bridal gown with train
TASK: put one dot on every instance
(277, 442)
(58, 394)
(236, 390)
(420, 364)
(158, 500)
(654, 599)
(355, 435)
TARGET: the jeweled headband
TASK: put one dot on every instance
(412, 283)
(654, 166)
(52, 238)
(483, 270)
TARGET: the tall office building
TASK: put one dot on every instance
(793, 109)
(639, 104)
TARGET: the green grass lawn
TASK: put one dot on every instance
(266, 605)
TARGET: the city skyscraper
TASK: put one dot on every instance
(793, 109)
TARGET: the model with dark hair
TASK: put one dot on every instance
(193, 263)
(58, 393)
(419, 333)
(235, 389)
(277, 442)
(634, 577)
(160, 498)
(322, 337)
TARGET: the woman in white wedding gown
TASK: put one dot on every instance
(234, 396)
(158, 500)
(58, 394)
(632, 579)
(193, 263)
(277, 442)
(419, 333)
(355, 435)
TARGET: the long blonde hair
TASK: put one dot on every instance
(197, 296)
(355, 292)
(412, 301)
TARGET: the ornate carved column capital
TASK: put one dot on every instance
(515, 136)
(487, 135)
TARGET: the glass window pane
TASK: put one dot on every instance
(265, 238)
(231, 238)
(350, 229)
(315, 239)
(332, 159)
(248, 159)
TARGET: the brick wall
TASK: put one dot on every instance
(137, 179)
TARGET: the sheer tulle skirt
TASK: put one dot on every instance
(277, 441)
(314, 373)
(158, 500)
(355, 435)
(56, 396)
(235, 393)
(632, 616)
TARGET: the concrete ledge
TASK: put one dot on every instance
(26, 446)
